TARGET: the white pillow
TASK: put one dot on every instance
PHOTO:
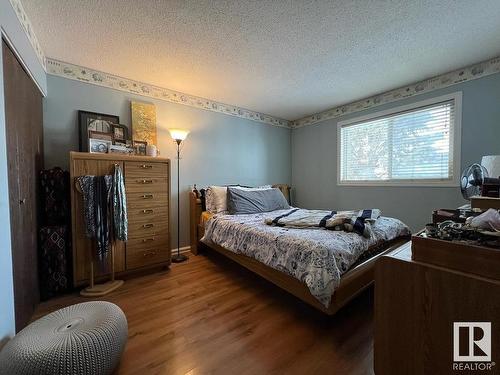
(216, 197)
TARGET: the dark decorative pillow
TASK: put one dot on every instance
(254, 201)
(203, 199)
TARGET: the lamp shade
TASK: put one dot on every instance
(178, 134)
(492, 165)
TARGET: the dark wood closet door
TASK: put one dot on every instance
(23, 114)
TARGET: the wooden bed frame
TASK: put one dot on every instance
(352, 282)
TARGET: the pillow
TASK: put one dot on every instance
(241, 201)
(216, 197)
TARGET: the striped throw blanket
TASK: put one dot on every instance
(349, 221)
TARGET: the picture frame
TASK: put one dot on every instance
(120, 132)
(101, 135)
(99, 146)
(143, 125)
(140, 147)
(93, 121)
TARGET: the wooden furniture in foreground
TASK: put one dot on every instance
(24, 135)
(147, 185)
(351, 284)
(416, 304)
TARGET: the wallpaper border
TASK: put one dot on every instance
(96, 77)
(28, 30)
(471, 72)
(91, 76)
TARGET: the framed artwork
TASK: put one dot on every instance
(92, 121)
(144, 122)
(99, 145)
(101, 135)
(120, 132)
(140, 147)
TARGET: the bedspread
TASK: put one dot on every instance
(315, 256)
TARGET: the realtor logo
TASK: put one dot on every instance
(472, 342)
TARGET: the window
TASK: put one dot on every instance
(411, 145)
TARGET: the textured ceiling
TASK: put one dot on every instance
(284, 58)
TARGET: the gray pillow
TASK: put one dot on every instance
(250, 202)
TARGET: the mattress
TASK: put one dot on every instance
(315, 256)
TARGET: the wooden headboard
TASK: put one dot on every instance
(195, 211)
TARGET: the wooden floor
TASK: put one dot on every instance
(210, 316)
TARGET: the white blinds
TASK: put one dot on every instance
(414, 145)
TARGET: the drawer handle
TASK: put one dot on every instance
(147, 196)
(148, 239)
(149, 254)
(145, 166)
(144, 181)
(145, 226)
(148, 211)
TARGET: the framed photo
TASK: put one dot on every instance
(92, 121)
(120, 132)
(101, 135)
(99, 146)
(140, 147)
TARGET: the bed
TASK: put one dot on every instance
(273, 253)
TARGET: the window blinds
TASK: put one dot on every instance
(414, 145)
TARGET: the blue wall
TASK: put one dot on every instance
(220, 149)
(314, 164)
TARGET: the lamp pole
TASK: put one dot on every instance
(179, 257)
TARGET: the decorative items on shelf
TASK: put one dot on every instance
(101, 125)
(120, 133)
(99, 145)
(140, 147)
(103, 133)
(144, 122)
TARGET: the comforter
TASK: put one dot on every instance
(315, 256)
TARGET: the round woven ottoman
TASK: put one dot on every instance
(87, 338)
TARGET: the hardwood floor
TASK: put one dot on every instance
(211, 316)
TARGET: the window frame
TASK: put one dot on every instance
(456, 138)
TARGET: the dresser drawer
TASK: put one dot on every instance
(146, 184)
(137, 245)
(138, 259)
(146, 199)
(147, 229)
(145, 170)
(149, 214)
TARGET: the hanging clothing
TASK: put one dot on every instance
(96, 192)
(119, 205)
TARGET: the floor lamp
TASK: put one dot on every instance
(178, 135)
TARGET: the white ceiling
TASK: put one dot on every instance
(285, 58)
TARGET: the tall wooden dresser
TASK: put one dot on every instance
(147, 185)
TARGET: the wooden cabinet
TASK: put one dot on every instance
(416, 306)
(24, 134)
(147, 186)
